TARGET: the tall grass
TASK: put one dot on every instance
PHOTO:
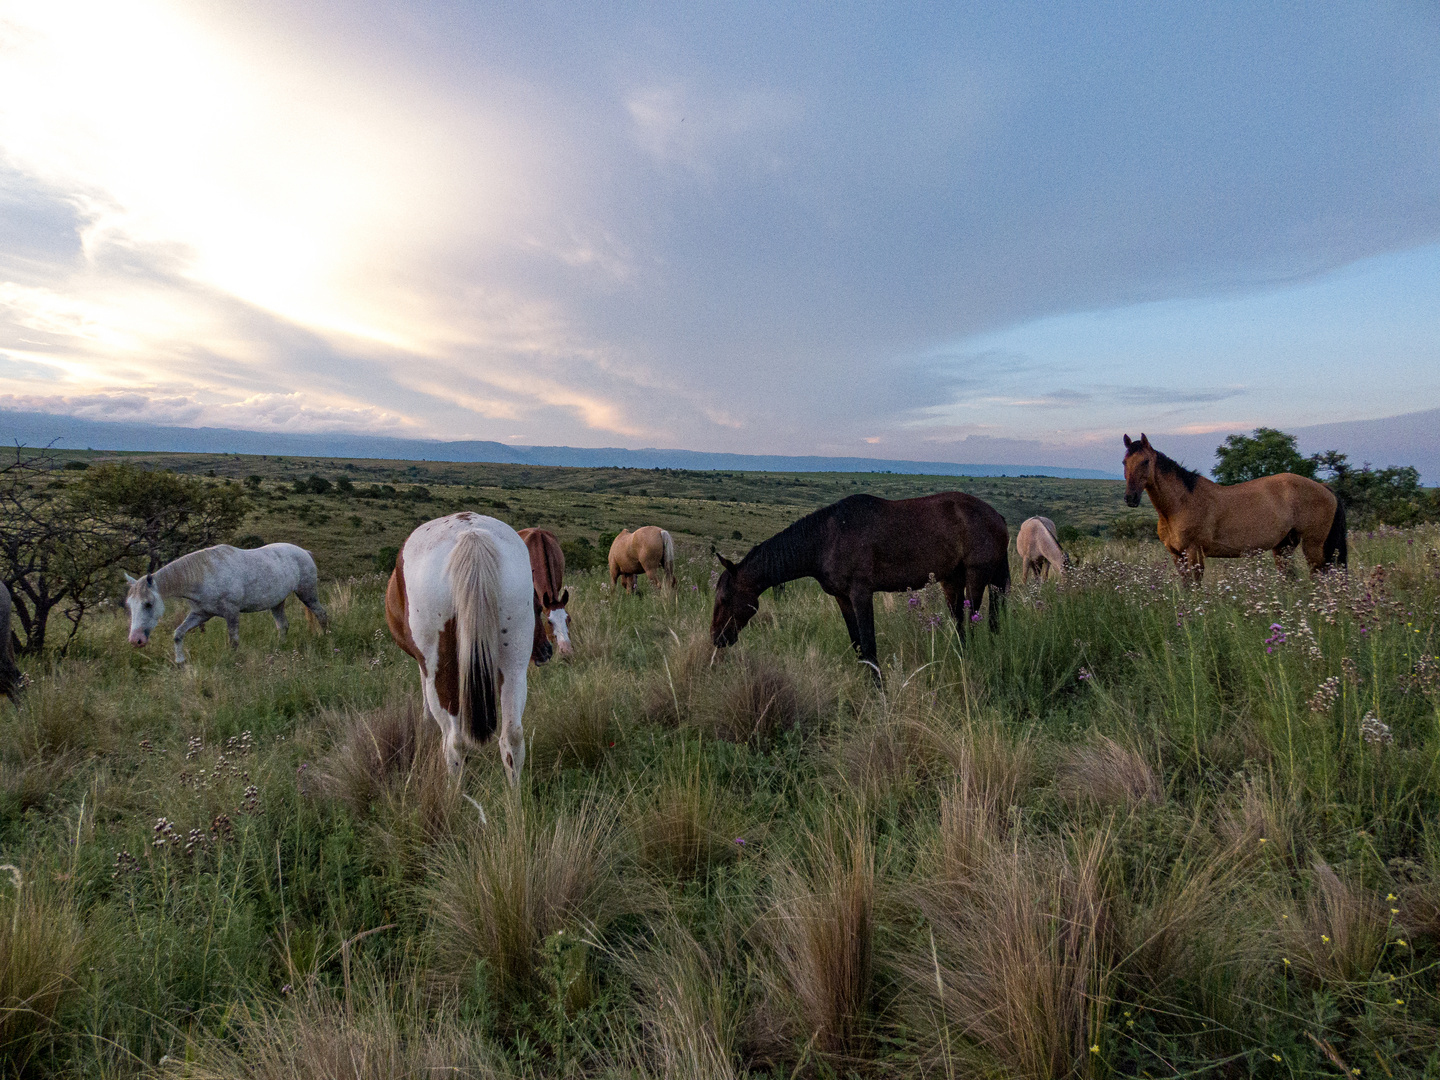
(1141, 829)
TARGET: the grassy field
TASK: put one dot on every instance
(1140, 831)
(346, 532)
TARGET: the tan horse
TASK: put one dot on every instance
(1199, 517)
(1039, 549)
(648, 549)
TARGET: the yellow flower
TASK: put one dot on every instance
(1129, 1023)
(1287, 960)
(1277, 1057)
(1391, 896)
(1399, 1001)
(1263, 840)
(1095, 1049)
(1394, 911)
(1401, 942)
(1325, 938)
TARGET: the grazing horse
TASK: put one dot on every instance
(547, 569)
(222, 582)
(1039, 550)
(9, 673)
(862, 545)
(648, 548)
(461, 602)
(1199, 517)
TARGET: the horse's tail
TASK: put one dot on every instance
(667, 555)
(1337, 548)
(473, 569)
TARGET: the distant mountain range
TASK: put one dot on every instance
(72, 433)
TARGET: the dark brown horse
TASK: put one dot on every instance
(863, 545)
(547, 570)
(1199, 517)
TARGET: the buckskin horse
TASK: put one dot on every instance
(547, 570)
(862, 545)
(1199, 517)
(648, 549)
(461, 602)
(224, 582)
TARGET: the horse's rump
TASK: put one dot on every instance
(9, 673)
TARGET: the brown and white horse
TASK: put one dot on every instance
(547, 569)
(1199, 517)
(648, 549)
(461, 602)
(1039, 549)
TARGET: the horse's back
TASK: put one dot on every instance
(425, 555)
(899, 542)
(547, 560)
(1262, 513)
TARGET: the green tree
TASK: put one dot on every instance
(1265, 453)
(159, 514)
(1372, 497)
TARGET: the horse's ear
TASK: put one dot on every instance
(564, 599)
(547, 601)
(128, 579)
(1144, 441)
(726, 563)
(1127, 442)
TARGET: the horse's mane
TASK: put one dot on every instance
(190, 570)
(790, 553)
(1164, 463)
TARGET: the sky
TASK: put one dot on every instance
(1003, 232)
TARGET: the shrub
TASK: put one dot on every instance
(1104, 772)
(385, 559)
(580, 555)
(40, 953)
(688, 1023)
(249, 540)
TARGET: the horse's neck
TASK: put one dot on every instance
(780, 559)
(1166, 495)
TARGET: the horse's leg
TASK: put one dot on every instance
(449, 728)
(512, 732)
(847, 611)
(310, 596)
(864, 605)
(194, 619)
(232, 627)
(1195, 556)
(281, 623)
(997, 601)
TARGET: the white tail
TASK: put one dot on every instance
(473, 569)
(667, 557)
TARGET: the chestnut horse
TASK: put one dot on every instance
(862, 545)
(648, 549)
(1039, 549)
(547, 570)
(1199, 517)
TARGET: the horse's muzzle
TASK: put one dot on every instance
(1132, 500)
(139, 638)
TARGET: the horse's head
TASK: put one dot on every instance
(540, 648)
(1139, 468)
(735, 605)
(557, 621)
(146, 607)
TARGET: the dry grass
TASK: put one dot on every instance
(318, 1037)
(1261, 819)
(573, 725)
(372, 749)
(690, 1028)
(1339, 934)
(820, 935)
(752, 698)
(687, 665)
(1022, 957)
(1105, 773)
(61, 716)
(502, 889)
(686, 825)
(41, 945)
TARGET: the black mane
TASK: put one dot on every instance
(1169, 465)
(791, 552)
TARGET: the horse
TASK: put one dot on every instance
(862, 545)
(648, 548)
(547, 569)
(461, 602)
(1199, 517)
(1039, 549)
(224, 582)
(9, 673)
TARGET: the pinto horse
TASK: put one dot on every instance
(862, 545)
(1039, 549)
(224, 582)
(1199, 517)
(547, 569)
(461, 602)
(648, 549)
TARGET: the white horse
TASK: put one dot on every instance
(462, 603)
(1039, 550)
(221, 582)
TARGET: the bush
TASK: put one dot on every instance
(314, 484)
(77, 466)
(580, 555)
(1134, 527)
(249, 541)
(385, 559)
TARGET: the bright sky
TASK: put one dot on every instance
(926, 232)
